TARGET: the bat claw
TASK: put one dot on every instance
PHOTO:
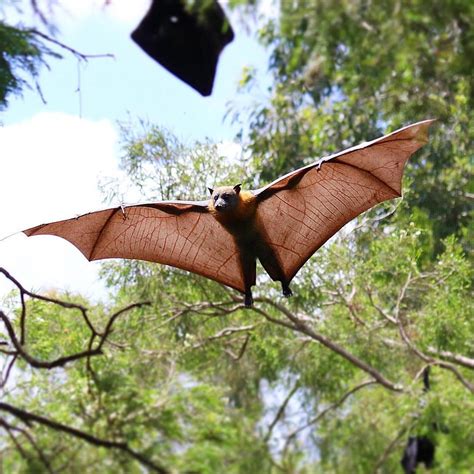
(286, 291)
(248, 300)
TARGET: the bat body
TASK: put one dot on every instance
(236, 211)
(281, 224)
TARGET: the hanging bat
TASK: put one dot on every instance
(281, 224)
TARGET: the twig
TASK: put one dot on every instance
(79, 55)
(61, 361)
(8, 371)
(380, 310)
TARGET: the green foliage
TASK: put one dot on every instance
(22, 54)
(343, 72)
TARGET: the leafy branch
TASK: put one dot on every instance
(95, 344)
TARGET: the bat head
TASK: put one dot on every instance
(225, 198)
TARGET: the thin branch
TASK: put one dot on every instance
(331, 407)
(28, 436)
(429, 360)
(18, 446)
(391, 446)
(61, 361)
(241, 351)
(224, 333)
(47, 299)
(77, 54)
(112, 319)
(452, 357)
(281, 411)
(380, 310)
(29, 418)
(8, 371)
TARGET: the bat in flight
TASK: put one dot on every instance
(281, 224)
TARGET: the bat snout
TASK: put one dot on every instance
(222, 206)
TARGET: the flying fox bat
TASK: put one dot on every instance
(282, 224)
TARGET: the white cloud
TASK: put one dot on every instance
(231, 150)
(49, 168)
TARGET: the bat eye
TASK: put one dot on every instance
(215, 197)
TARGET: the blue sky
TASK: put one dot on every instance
(53, 155)
(133, 82)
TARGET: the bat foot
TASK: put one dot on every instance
(248, 300)
(286, 290)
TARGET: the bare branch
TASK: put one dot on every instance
(452, 357)
(47, 299)
(224, 333)
(30, 418)
(77, 54)
(380, 310)
(8, 371)
(61, 361)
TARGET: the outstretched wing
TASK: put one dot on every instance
(181, 234)
(300, 211)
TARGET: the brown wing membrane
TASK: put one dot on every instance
(300, 211)
(179, 234)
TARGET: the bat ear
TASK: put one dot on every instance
(211, 190)
(237, 188)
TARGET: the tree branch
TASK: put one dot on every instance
(61, 361)
(281, 411)
(429, 360)
(77, 54)
(331, 407)
(30, 418)
(300, 326)
(224, 333)
(27, 435)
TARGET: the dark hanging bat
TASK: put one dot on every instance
(281, 224)
(419, 449)
(186, 39)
